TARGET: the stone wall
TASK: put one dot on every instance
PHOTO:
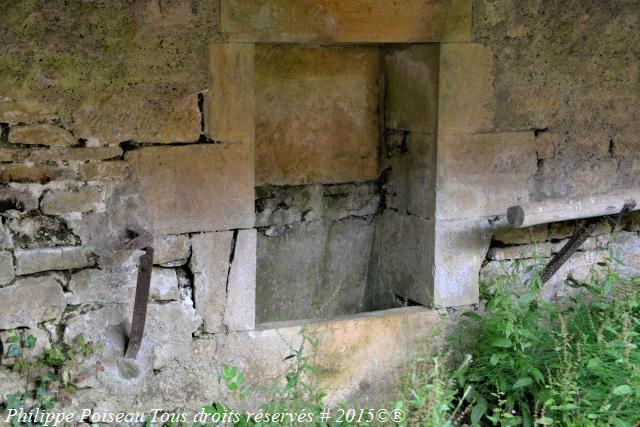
(286, 181)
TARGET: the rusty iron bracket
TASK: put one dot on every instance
(577, 240)
(143, 240)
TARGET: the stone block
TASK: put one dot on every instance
(109, 326)
(61, 202)
(29, 261)
(7, 272)
(545, 147)
(329, 21)
(93, 286)
(520, 252)
(240, 312)
(511, 236)
(460, 249)
(558, 178)
(402, 260)
(34, 173)
(317, 269)
(74, 154)
(41, 134)
(171, 250)
(626, 246)
(104, 171)
(210, 255)
(12, 198)
(133, 116)
(230, 108)
(24, 111)
(164, 285)
(37, 231)
(13, 154)
(169, 334)
(466, 189)
(317, 114)
(8, 381)
(411, 184)
(195, 188)
(466, 102)
(354, 353)
(411, 88)
(30, 301)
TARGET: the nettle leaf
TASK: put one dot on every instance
(495, 358)
(523, 382)
(544, 421)
(472, 315)
(501, 342)
(478, 412)
(622, 390)
(593, 363)
(537, 375)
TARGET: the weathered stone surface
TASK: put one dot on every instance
(230, 108)
(520, 252)
(84, 199)
(465, 189)
(109, 326)
(7, 272)
(466, 101)
(171, 327)
(173, 250)
(544, 145)
(34, 231)
(317, 118)
(210, 255)
(29, 261)
(354, 353)
(104, 171)
(18, 199)
(34, 173)
(460, 248)
(99, 286)
(402, 260)
(139, 117)
(74, 154)
(164, 285)
(240, 312)
(626, 143)
(23, 111)
(282, 21)
(279, 206)
(510, 236)
(8, 381)
(13, 154)
(41, 134)
(411, 88)
(196, 188)
(411, 184)
(30, 301)
(560, 178)
(626, 246)
(317, 269)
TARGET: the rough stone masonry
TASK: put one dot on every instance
(344, 164)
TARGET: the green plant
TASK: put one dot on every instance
(48, 375)
(573, 364)
(431, 392)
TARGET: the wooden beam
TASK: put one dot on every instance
(553, 210)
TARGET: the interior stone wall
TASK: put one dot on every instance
(116, 114)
